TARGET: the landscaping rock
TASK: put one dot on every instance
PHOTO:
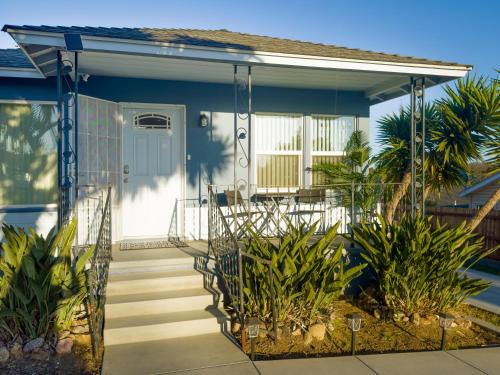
(297, 332)
(307, 339)
(64, 346)
(33, 344)
(4, 354)
(235, 327)
(398, 317)
(415, 319)
(80, 330)
(16, 351)
(40, 354)
(406, 319)
(286, 331)
(318, 331)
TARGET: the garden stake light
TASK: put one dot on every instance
(253, 331)
(445, 322)
(354, 323)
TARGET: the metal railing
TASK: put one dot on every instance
(270, 210)
(230, 261)
(99, 267)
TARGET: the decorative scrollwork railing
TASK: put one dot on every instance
(98, 277)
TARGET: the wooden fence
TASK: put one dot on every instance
(489, 227)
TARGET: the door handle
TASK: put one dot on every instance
(126, 169)
(125, 180)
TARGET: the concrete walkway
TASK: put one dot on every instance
(490, 299)
(214, 356)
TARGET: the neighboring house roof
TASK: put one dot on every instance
(225, 39)
(14, 58)
(493, 178)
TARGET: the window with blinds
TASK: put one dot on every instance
(281, 141)
(279, 147)
(329, 138)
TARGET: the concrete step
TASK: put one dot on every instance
(129, 305)
(128, 330)
(151, 265)
(150, 282)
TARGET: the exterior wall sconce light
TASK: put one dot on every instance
(253, 325)
(354, 323)
(418, 91)
(204, 120)
(445, 322)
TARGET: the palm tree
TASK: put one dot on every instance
(356, 168)
(473, 105)
(395, 157)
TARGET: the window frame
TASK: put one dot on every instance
(307, 153)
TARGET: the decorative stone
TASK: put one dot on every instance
(235, 327)
(406, 319)
(330, 327)
(415, 319)
(40, 354)
(262, 333)
(4, 354)
(318, 331)
(64, 346)
(33, 344)
(16, 351)
(297, 332)
(286, 331)
(80, 330)
(307, 339)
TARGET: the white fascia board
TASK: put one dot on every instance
(126, 46)
(20, 72)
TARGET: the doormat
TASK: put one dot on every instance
(151, 244)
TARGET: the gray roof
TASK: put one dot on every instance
(14, 58)
(231, 40)
(493, 178)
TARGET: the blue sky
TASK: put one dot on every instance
(450, 30)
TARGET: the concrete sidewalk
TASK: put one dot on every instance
(212, 359)
(490, 299)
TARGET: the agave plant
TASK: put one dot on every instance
(40, 288)
(306, 276)
(418, 268)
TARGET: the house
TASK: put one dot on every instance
(161, 114)
(479, 193)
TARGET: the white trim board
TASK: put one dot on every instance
(234, 56)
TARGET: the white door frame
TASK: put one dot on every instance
(160, 106)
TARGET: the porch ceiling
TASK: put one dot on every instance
(378, 80)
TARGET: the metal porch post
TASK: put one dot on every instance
(235, 147)
(59, 140)
(249, 144)
(412, 148)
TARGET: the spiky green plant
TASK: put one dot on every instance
(418, 268)
(40, 288)
(307, 276)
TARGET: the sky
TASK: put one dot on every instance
(450, 30)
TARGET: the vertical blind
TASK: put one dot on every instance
(279, 145)
(28, 154)
(331, 133)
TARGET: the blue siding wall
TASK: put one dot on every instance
(208, 147)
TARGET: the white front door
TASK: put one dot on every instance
(153, 148)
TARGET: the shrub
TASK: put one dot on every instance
(40, 288)
(306, 277)
(417, 267)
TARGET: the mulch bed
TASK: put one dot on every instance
(377, 336)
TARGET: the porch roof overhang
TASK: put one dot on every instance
(104, 56)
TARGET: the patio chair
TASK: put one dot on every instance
(309, 203)
(241, 212)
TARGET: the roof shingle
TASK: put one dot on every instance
(232, 40)
(14, 58)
